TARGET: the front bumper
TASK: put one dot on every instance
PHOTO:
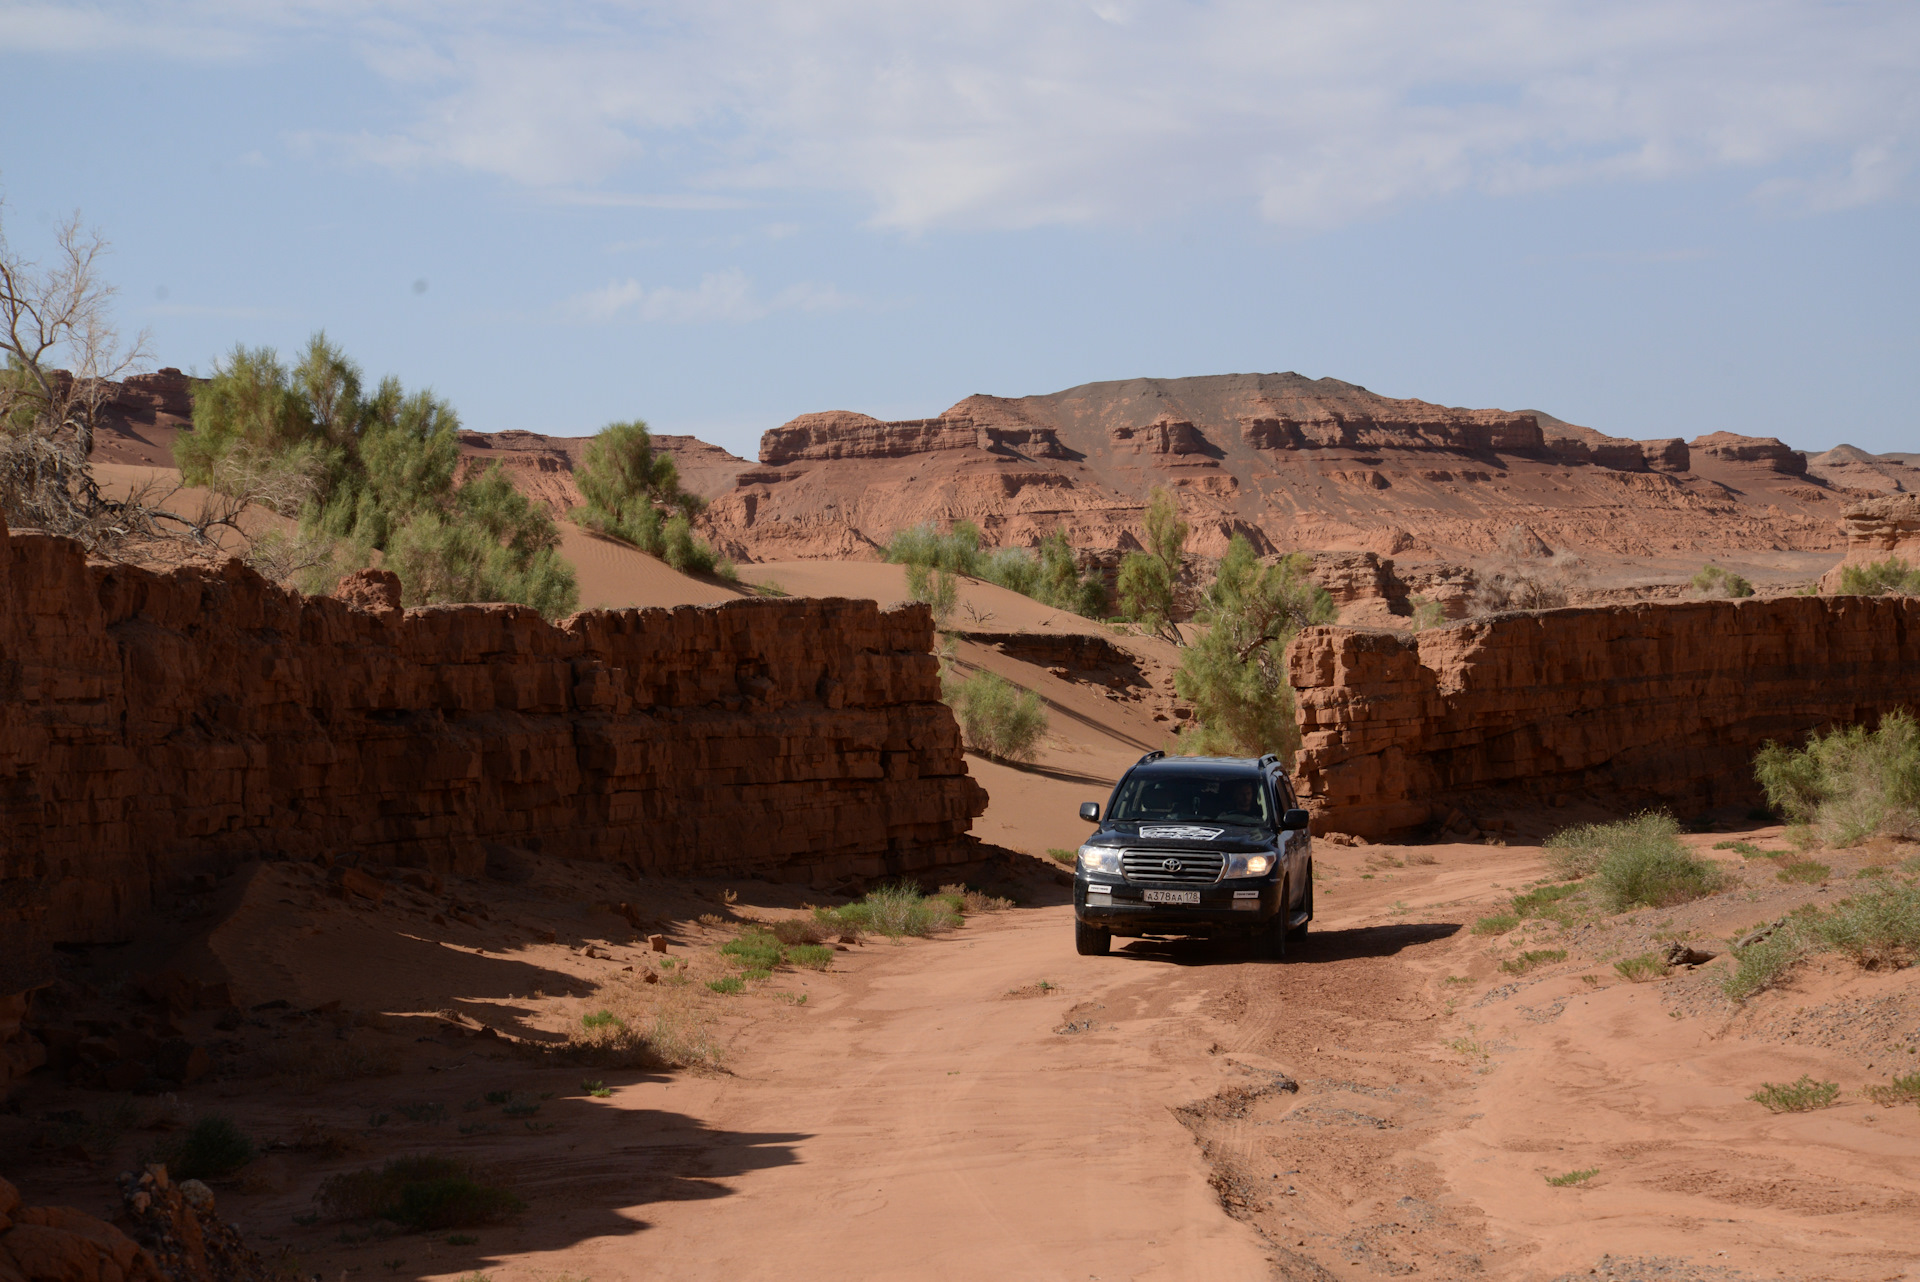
(1246, 905)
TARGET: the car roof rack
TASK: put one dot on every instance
(1274, 757)
(1155, 755)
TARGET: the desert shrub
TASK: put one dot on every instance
(1533, 957)
(1642, 968)
(1545, 901)
(1746, 849)
(974, 902)
(1235, 672)
(1713, 581)
(600, 1019)
(998, 718)
(1572, 1178)
(1879, 578)
(1808, 872)
(632, 493)
(811, 956)
(895, 911)
(1496, 924)
(1878, 929)
(1148, 579)
(936, 586)
(1527, 575)
(728, 984)
(1802, 1096)
(1850, 784)
(1049, 573)
(1637, 862)
(419, 1193)
(374, 471)
(1427, 614)
(798, 930)
(1901, 1090)
(1760, 966)
(1061, 855)
(212, 1148)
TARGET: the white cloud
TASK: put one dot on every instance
(1015, 113)
(720, 296)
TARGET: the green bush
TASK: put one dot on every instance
(1049, 573)
(368, 473)
(1901, 1090)
(1802, 1096)
(755, 950)
(1546, 901)
(1148, 580)
(895, 911)
(600, 1019)
(1534, 957)
(1810, 872)
(1760, 966)
(1235, 672)
(1572, 1178)
(1637, 862)
(728, 984)
(633, 494)
(1851, 783)
(214, 1147)
(1875, 930)
(998, 718)
(1642, 968)
(811, 956)
(1713, 581)
(1496, 924)
(1427, 614)
(420, 1193)
(1879, 578)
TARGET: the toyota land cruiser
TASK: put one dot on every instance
(1207, 846)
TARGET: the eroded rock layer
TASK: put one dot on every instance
(157, 723)
(1646, 703)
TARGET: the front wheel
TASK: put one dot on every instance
(1306, 903)
(1277, 932)
(1091, 941)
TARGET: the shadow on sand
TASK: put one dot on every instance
(1318, 948)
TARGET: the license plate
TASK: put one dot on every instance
(1171, 896)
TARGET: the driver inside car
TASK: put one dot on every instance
(1240, 804)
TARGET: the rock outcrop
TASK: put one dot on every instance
(1636, 704)
(1295, 463)
(62, 1244)
(1878, 530)
(161, 724)
(1770, 452)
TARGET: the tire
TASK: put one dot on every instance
(1300, 932)
(1091, 941)
(1276, 936)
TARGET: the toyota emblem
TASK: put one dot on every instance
(1172, 865)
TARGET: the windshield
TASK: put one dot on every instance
(1229, 799)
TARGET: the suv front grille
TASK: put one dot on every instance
(1195, 866)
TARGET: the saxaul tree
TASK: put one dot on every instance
(63, 357)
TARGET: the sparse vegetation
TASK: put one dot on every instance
(1809, 872)
(633, 494)
(1879, 578)
(1063, 856)
(1148, 579)
(1637, 862)
(600, 1019)
(371, 473)
(1573, 1177)
(896, 911)
(1876, 930)
(1234, 673)
(1641, 969)
(418, 1193)
(1849, 784)
(727, 984)
(1049, 573)
(213, 1147)
(1901, 1090)
(1526, 575)
(1496, 924)
(759, 951)
(597, 1090)
(1746, 849)
(998, 718)
(1534, 957)
(1546, 901)
(1713, 581)
(1427, 614)
(1760, 966)
(1802, 1096)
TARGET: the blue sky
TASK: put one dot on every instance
(1652, 218)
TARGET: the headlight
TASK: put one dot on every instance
(1100, 859)
(1249, 865)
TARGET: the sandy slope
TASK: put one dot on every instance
(614, 576)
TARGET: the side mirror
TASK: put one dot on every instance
(1090, 811)
(1294, 821)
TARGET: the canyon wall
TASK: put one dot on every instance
(1644, 704)
(158, 724)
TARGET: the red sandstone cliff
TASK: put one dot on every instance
(159, 724)
(1653, 703)
(1288, 461)
(1878, 530)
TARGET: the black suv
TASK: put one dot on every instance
(1209, 846)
